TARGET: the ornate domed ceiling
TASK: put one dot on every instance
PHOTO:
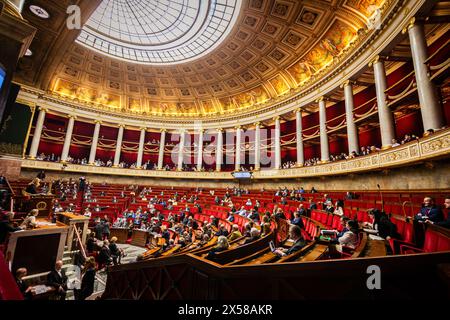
(273, 50)
(159, 32)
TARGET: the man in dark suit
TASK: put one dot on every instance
(6, 226)
(429, 211)
(57, 279)
(445, 223)
(24, 288)
(295, 234)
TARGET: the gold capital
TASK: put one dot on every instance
(410, 24)
(43, 109)
(346, 83)
(98, 121)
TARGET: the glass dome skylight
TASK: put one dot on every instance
(159, 31)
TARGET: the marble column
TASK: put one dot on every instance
(37, 133)
(200, 150)
(219, 152)
(141, 148)
(181, 150)
(299, 136)
(385, 115)
(162, 144)
(324, 143)
(94, 144)
(432, 114)
(237, 160)
(68, 139)
(118, 146)
(352, 130)
(277, 143)
(257, 146)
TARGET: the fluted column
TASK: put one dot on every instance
(141, 148)
(181, 150)
(237, 160)
(385, 116)
(257, 146)
(324, 143)
(37, 133)
(200, 150)
(68, 139)
(219, 146)
(162, 143)
(352, 130)
(432, 115)
(277, 144)
(118, 146)
(300, 152)
(94, 144)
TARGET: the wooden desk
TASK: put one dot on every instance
(120, 233)
(37, 249)
(74, 221)
(375, 248)
(139, 238)
(42, 202)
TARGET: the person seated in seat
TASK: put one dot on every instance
(253, 215)
(295, 234)
(386, 229)
(222, 245)
(279, 214)
(222, 231)
(235, 233)
(297, 220)
(249, 202)
(443, 223)
(339, 208)
(312, 204)
(254, 235)
(7, 226)
(329, 207)
(70, 208)
(350, 238)
(30, 220)
(23, 287)
(429, 211)
(265, 225)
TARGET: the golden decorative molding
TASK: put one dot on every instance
(98, 121)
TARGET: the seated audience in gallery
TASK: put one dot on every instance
(444, 223)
